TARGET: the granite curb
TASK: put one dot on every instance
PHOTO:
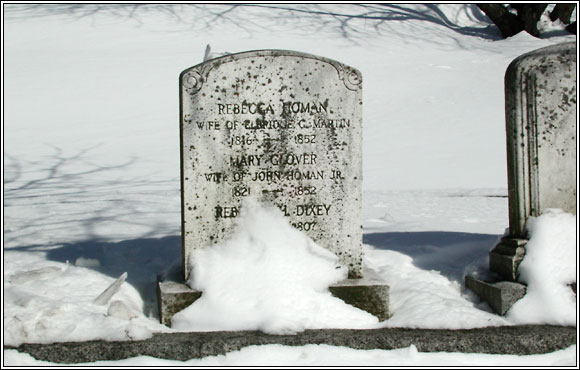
(513, 340)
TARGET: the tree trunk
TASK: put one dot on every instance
(529, 15)
(562, 12)
(508, 23)
(571, 28)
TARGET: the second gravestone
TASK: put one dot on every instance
(540, 89)
(286, 128)
(540, 97)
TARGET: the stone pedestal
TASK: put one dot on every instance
(369, 293)
(173, 297)
(500, 295)
(505, 258)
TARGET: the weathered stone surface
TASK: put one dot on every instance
(516, 340)
(500, 296)
(173, 297)
(540, 90)
(369, 293)
(284, 127)
(505, 257)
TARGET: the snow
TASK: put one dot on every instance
(325, 355)
(545, 271)
(269, 277)
(60, 306)
(91, 174)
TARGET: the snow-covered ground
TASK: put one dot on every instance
(91, 169)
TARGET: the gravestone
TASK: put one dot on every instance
(540, 103)
(283, 127)
(541, 133)
(540, 89)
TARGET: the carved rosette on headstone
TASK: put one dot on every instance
(284, 127)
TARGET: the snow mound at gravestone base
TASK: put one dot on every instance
(548, 268)
(268, 276)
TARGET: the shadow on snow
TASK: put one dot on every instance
(353, 22)
(143, 260)
(450, 253)
(453, 254)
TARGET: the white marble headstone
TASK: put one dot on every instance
(541, 133)
(284, 127)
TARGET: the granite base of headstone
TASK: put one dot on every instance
(506, 256)
(499, 295)
(369, 293)
(540, 93)
(172, 297)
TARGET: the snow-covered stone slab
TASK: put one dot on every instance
(540, 90)
(281, 126)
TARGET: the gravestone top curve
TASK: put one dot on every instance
(195, 76)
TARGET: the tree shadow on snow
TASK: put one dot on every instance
(350, 21)
(74, 190)
(451, 253)
(143, 260)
